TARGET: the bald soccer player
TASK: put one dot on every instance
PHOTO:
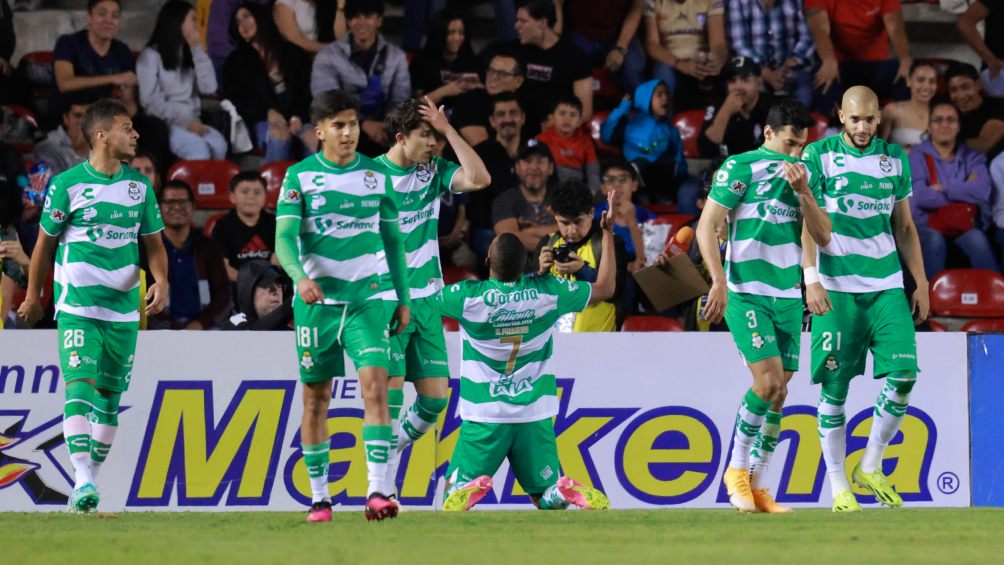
(856, 293)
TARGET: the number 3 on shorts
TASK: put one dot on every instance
(751, 315)
(73, 338)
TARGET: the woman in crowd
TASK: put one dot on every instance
(904, 123)
(446, 67)
(173, 70)
(268, 80)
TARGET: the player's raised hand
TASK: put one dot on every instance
(718, 298)
(309, 291)
(920, 304)
(798, 178)
(156, 298)
(401, 319)
(30, 312)
(817, 299)
(607, 219)
(435, 116)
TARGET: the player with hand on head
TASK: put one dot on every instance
(856, 292)
(337, 237)
(765, 194)
(94, 216)
(419, 178)
(508, 392)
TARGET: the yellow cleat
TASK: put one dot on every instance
(845, 501)
(877, 483)
(737, 484)
(465, 497)
(766, 503)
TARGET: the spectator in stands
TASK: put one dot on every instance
(219, 42)
(264, 301)
(572, 148)
(246, 232)
(446, 67)
(503, 74)
(905, 123)
(146, 164)
(12, 171)
(619, 175)
(773, 33)
(606, 32)
(268, 80)
(65, 146)
(365, 65)
(173, 70)
(573, 252)
(686, 41)
(200, 289)
(990, 45)
(652, 143)
(736, 124)
(12, 90)
(523, 210)
(554, 65)
(297, 22)
(852, 40)
(950, 184)
(982, 118)
(13, 259)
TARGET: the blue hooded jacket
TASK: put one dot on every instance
(645, 137)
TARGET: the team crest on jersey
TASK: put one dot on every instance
(293, 196)
(831, 363)
(369, 180)
(74, 360)
(57, 216)
(423, 173)
(738, 187)
(757, 341)
(306, 361)
(134, 191)
(885, 164)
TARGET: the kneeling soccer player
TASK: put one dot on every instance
(508, 393)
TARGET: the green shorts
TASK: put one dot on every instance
(325, 332)
(765, 327)
(859, 322)
(98, 350)
(531, 448)
(419, 352)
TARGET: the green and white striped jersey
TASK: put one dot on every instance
(99, 220)
(860, 188)
(340, 209)
(765, 223)
(507, 374)
(418, 190)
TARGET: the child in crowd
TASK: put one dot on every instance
(573, 149)
(621, 176)
(247, 232)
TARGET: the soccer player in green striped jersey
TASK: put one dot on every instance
(94, 216)
(508, 393)
(418, 354)
(337, 236)
(857, 295)
(764, 194)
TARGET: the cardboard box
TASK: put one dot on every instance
(672, 284)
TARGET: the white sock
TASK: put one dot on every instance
(81, 468)
(832, 425)
(75, 427)
(890, 407)
(319, 488)
(747, 427)
(103, 434)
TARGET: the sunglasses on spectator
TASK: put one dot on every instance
(181, 202)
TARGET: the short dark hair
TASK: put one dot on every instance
(403, 118)
(77, 98)
(249, 175)
(789, 112)
(507, 55)
(355, 8)
(502, 98)
(99, 115)
(570, 199)
(177, 184)
(540, 9)
(619, 164)
(92, 3)
(959, 69)
(330, 103)
(567, 100)
(507, 257)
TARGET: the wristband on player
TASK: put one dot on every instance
(811, 275)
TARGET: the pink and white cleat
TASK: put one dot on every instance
(320, 512)
(379, 507)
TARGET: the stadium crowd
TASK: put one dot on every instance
(640, 96)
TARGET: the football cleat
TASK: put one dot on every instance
(766, 503)
(85, 498)
(465, 497)
(582, 496)
(737, 484)
(379, 507)
(320, 512)
(845, 501)
(877, 483)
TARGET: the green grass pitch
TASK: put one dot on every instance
(700, 537)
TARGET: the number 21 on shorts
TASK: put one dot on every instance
(827, 344)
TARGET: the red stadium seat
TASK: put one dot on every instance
(689, 123)
(937, 326)
(606, 92)
(27, 115)
(210, 180)
(660, 209)
(450, 324)
(968, 293)
(273, 173)
(211, 223)
(37, 66)
(817, 131)
(602, 149)
(996, 325)
(651, 324)
(453, 274)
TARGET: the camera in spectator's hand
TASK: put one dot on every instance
(562, 253)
